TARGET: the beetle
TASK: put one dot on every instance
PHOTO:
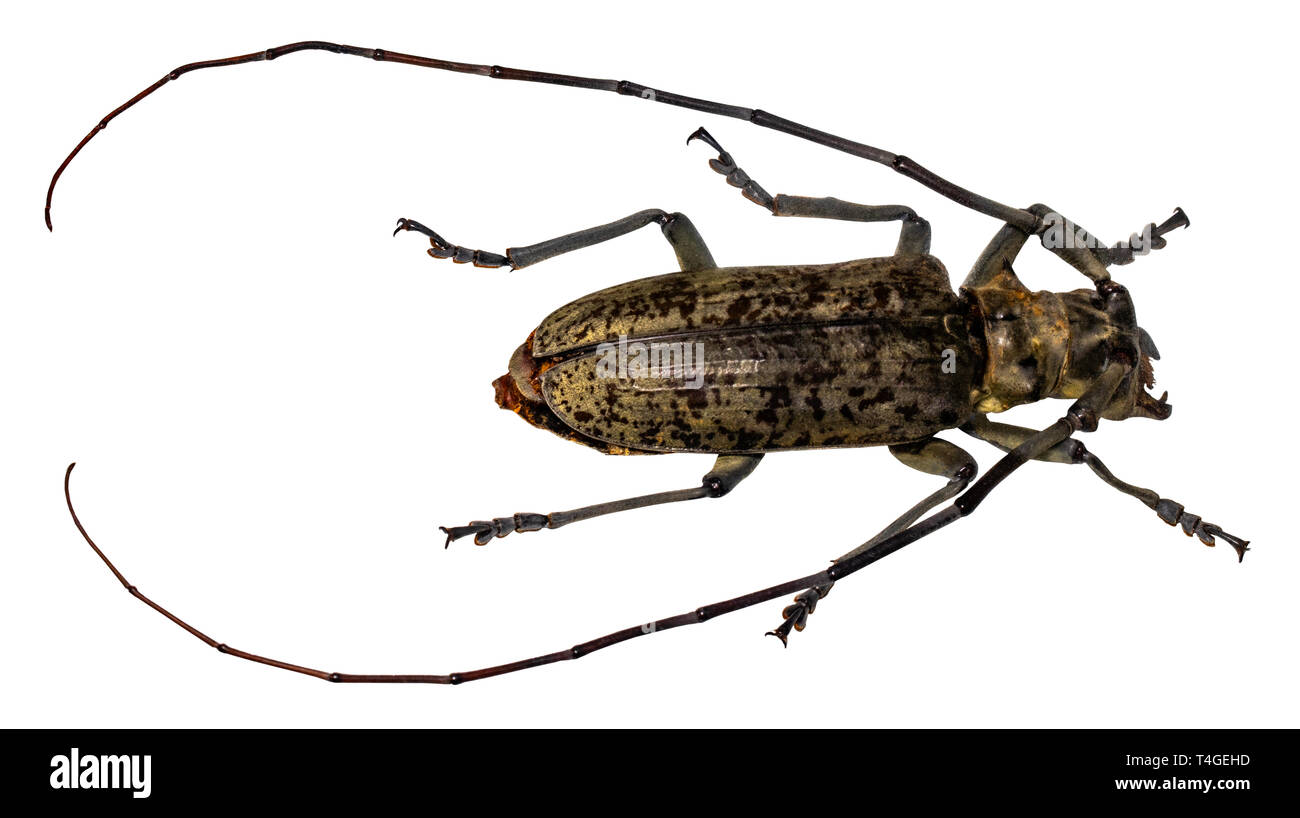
(740, 362)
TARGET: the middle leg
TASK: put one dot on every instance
(1007, 437)
(914, 237)
(932, 456)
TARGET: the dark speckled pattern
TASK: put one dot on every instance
(813, 356)
(900, 287)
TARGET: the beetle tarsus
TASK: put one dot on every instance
(476, 529)
(1150, 238)
(484, 531)
(1239, 545)
(410, 224)
(736, 177)
(1192, 524)
(796, 615)
(782, 632)
(1179, 219)
(441, 248)
(705, 137)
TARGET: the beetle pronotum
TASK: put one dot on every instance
(742, 361)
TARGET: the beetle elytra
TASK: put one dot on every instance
(740, 362)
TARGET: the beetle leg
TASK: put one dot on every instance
(932, 456)
(997, 257)
(1151, 238)
(914, 238)
(726, 474)
(1081, 416)
(1006, 437)
(1168, 510)
(1069, 242)
(736, 177)
(1090, 255)
(441, 248)
(692, 253)
(796, 615)
(937, 456)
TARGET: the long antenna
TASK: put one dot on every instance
(702, 614)
(902, 164)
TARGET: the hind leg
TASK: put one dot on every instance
(726, 474)
(692, 253)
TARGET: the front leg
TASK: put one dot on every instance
(939, 457)
(1069, 242)
(1006, 437)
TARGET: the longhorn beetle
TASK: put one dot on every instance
(742, 361)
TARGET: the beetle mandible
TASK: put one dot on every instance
(742, 361)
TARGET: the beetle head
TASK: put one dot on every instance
(1056, 345)
(1104, 331)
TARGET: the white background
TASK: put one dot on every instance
(273, 404)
